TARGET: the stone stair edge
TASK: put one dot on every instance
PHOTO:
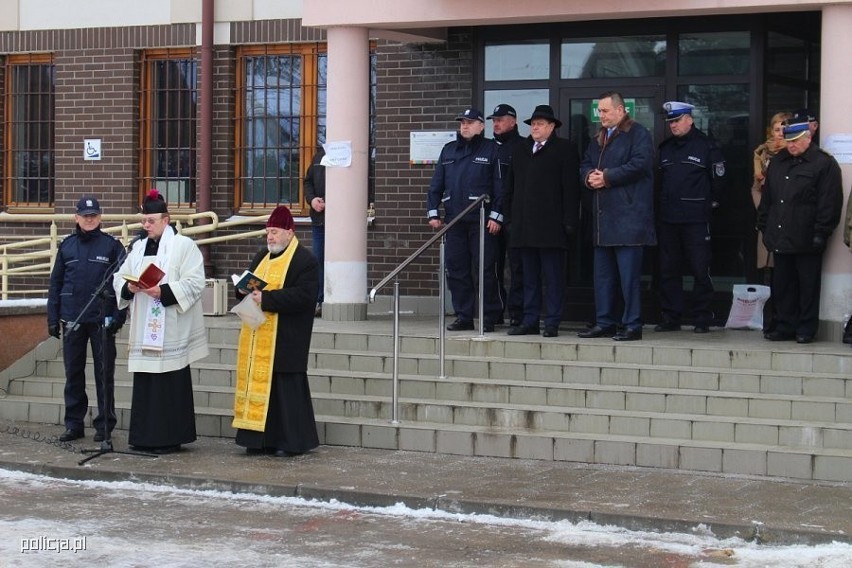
(505, 407)
(516, 407)
(421, 425)
(318, 373)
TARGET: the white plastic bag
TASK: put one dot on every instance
(250, 312)
(747, 307)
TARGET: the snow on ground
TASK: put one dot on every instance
(170, 552)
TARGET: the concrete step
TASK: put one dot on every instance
(214, 383)
(471, 440)
(218, 369)
(726, 403)
(564, 408)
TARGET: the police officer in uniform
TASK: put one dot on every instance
(505, 122)
(467, 168)
(801, 206)
(691, 174)
(85, 259)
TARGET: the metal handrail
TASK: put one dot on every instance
(416, 254)
(478, 202)
(128, 226)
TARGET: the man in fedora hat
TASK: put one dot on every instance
(619, 170)
(542, 200)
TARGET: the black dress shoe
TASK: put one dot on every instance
(550, 331)
(523, 330)
(778, 336)
(460, 325)
(488, 327)
(514, 322)
(597, 331)
(804, 339)
(69, 435)
(255, 451)
(628, 335)
(667, 326)
(165, 449)
(701, 329)
(284, 454)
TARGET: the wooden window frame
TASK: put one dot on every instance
(146, 172)
(308, 113)
(8, 150)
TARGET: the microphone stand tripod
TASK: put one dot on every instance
(107, 389)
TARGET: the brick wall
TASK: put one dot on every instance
(420, 87)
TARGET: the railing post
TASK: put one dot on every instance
(482, 269)
(54, 246)
(395, 397)
(4, 265)
(442, 309)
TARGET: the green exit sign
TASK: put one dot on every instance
(629, 106)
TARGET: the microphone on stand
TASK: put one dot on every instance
(139, 236)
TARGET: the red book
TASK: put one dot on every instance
(149, 278)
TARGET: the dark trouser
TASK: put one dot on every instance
(796, 282)
(685, 246)
(514, 297)
(318, 247)
(618, 270)
(462, 259)
(543, 266)
(74, 346)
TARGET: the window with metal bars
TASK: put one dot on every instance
(280, 119)
(28, 131)
(168, 129)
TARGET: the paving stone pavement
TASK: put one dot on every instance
(777, 511)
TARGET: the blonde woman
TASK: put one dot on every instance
(762, 154)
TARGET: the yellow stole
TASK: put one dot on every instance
(256, 351)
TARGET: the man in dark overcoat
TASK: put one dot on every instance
(618, 168)
(800, 207)
(542, 195)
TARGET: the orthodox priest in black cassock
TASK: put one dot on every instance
(273, 412)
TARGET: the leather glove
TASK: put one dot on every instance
(114, 326)
(818, 243)
(53, 330)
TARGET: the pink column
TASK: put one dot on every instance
(835, 118)
(348, 115)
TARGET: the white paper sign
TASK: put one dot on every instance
(425, 147)
(337, 154)
(839, 146)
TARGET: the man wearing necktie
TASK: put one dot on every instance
(619, 170)
(542, 195)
